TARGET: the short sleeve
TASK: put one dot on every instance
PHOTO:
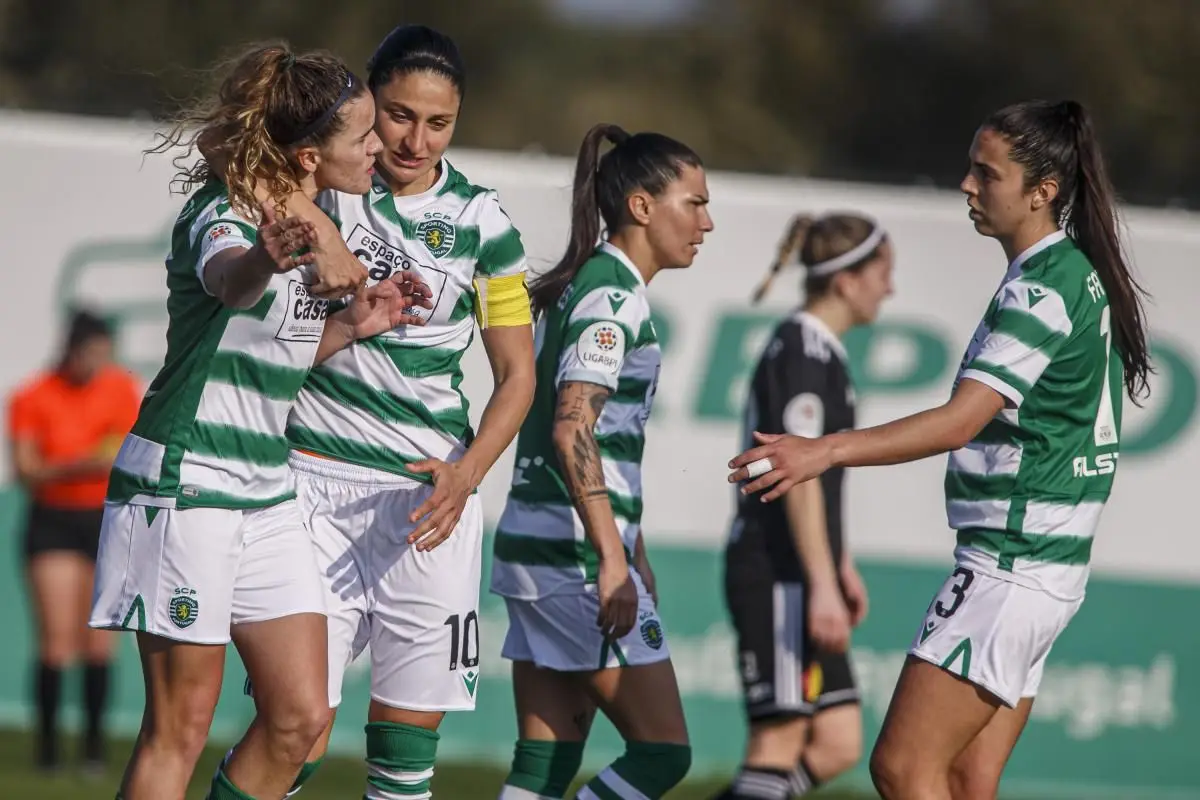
(601, 330)
(22, 416)
(790, 387)
(501, 252)
(216, 232)
(1029, 325)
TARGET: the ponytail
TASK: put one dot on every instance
(252, 151)
(1092, 221)
(789, 250)
(269, 102)
(647, 162)
(1056, 141)
(825, 246)
(585, 219)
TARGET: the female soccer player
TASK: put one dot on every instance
(386, 462)
(65, 425)
(584, 630)
(202, 541)
(1033, 430)
(791, 586)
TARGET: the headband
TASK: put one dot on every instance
(320, 122)
(850, 257)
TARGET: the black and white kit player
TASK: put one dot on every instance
(801, 386)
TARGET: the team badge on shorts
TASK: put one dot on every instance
(652, 633)
(437, 236)
(184, 608)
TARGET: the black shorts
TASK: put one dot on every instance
(783, 673)
(75, 530)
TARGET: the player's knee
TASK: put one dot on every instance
(831, 756)
(887, 773)
(292, 731)
(544, 768)
(900, 776)
(973, 781)
(400, 758)
(180, 726)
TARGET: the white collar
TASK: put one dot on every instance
(413, 201)
(1046, 241)
(823, 331)
(619, 254)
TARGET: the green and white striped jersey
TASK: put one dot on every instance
(599, 332)
(1026, 494)
(210, 432)
(394, 399)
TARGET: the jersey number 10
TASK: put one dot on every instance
(470, 640)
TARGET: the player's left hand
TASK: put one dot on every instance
(387, 305)
(854, 589)
(439, 515)
(789, 460)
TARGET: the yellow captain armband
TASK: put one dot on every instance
(502, 302)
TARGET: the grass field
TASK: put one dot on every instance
(339, 779)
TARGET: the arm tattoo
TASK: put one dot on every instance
(584, 474)
(589, 473)
(572, 414)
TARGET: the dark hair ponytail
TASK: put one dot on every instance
(644, 161)
(1057, 140)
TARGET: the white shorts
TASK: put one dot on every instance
(994, 633)
(419, 611)
(189, 574)
(559, 632)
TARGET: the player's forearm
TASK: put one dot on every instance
(35, 475)
(804, 507)
(337, 335)
(239, 277)
(928, 433)
(500, 423)
(582, 471)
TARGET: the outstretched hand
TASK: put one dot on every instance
(780, 462)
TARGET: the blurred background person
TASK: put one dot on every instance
(791, 586)
(65, 426)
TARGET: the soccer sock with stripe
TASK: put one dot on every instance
(541, 770)
(645, 771)
(760, 783)
(223, 789)
(400, 761)
(306, 772)
(803, 781)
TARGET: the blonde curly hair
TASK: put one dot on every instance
(269, 103)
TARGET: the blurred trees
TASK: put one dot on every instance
(831, 88)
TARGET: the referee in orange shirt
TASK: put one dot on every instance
(65, 427)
